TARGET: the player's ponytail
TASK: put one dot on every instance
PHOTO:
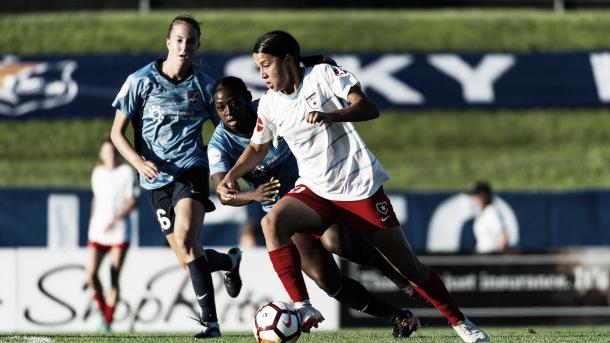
(312, 60)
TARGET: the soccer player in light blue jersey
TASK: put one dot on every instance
(273, 177)
(167, 102)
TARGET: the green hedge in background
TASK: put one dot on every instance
(422, 150)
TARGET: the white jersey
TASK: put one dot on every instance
(333, 160)
(488, 227)
(111, 190)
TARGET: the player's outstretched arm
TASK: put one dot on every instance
(252, 156)
(117, 134)
(262, 193)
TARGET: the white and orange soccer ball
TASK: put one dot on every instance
(276, 322)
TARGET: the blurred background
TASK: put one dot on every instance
(513, 93)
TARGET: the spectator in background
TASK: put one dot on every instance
(489, 225)
(114, 196)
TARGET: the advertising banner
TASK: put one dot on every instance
(571, 287)
(434, 222)
(84, 86)
(48, 293)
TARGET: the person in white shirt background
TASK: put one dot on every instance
(114, 196)
(489, 225)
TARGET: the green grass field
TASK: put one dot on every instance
(429, 150)
(427, 335)
(339, 30)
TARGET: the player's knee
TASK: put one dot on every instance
(184, 245)
(269, 224)
(334, 246)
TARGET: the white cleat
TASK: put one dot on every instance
(469, 332)
(310, 317)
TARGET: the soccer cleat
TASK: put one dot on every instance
(405, 324)
(310, 317)
(469, 332)
(232, 279)
(210, 330)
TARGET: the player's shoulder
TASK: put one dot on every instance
(97, 170)
(266, 99)
(203, 76)
(319, 69)
(142, 76)
(219, 137)
(146, 72)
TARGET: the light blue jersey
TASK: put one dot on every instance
(167, 118)
(225, 148)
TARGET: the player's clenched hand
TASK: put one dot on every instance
(148, 169)
(226, 189)
(267, 191)
(319, 118)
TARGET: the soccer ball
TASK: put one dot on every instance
(276, 322)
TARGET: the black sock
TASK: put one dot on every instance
(354, 295)
(204, 289)
(369, 256)
(218, 261)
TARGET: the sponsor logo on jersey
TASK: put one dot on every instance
(313, 100)
(31, 86)
(192, 96)
(155, 112)
(259, 124)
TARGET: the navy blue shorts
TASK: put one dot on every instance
(193, 183)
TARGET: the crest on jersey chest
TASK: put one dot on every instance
(313, 101)
(192, 96)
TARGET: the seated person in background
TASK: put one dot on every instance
(489, 225)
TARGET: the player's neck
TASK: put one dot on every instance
(295, 82)
(176, 72)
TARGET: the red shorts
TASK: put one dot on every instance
(105, 248)
(362, 216)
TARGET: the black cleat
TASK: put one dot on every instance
(207, 332)
(232, 279)
(405, 324)
(210, 330)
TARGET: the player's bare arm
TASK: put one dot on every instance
(252, 156)
(264, 192)
(145, 168)
(360, 108)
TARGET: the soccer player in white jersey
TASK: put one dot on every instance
(312, 108)
(114, 196)
(167, 102)
(237, 111)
